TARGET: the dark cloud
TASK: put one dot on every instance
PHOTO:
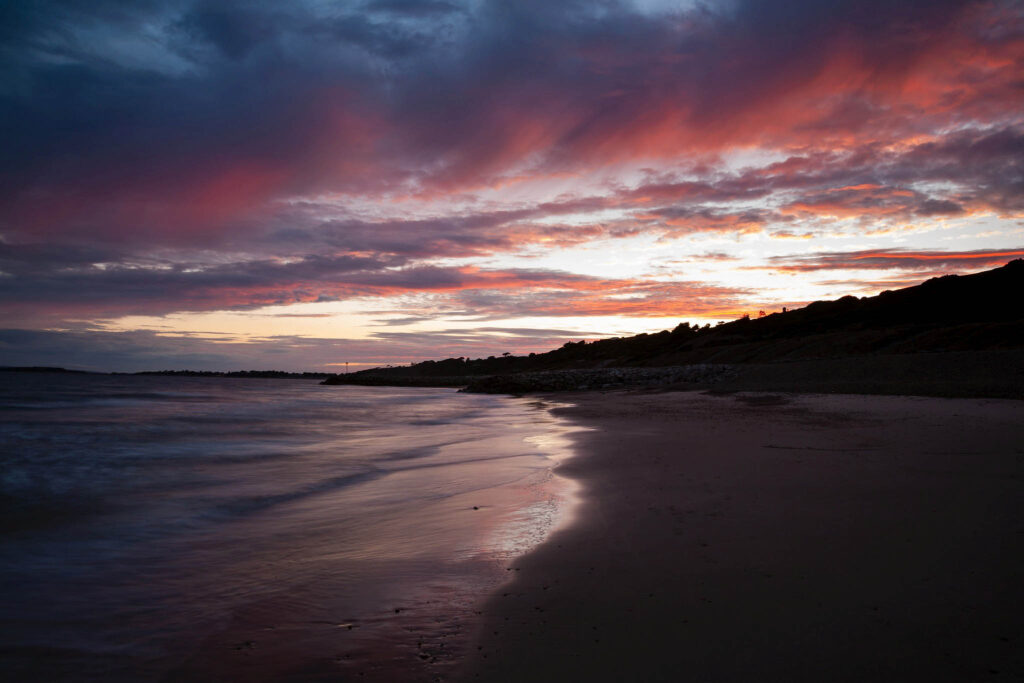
(988, 164)
(415, 7)
(233, 32)
(314, 98)
(52, 274)
(939, 207)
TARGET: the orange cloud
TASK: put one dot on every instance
(888, 259)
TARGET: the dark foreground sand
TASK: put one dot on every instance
(760, 537)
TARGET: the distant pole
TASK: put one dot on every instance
(346, 367)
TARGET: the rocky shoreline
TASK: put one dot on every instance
(371, 380)
(990, 373)
(600, 378)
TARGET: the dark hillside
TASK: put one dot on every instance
(950, 313)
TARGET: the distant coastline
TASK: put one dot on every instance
(42, 368)
(253, 374)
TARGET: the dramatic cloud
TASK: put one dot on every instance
(634, 299)
(233, 106)
(84, 286)
(192, 155)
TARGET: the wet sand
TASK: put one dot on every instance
(773, 537)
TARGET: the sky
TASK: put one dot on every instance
(297, 186)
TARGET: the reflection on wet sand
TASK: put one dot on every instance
(277, 530)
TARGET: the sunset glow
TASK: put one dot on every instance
(299, 186)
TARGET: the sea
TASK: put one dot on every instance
(226, 529)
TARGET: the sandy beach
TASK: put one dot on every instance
(774, 537)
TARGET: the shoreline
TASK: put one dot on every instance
(992, 373)
(754, 536)
(424, 631)
(286, 534)
(949, 374)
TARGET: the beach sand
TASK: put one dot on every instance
(774, 537)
